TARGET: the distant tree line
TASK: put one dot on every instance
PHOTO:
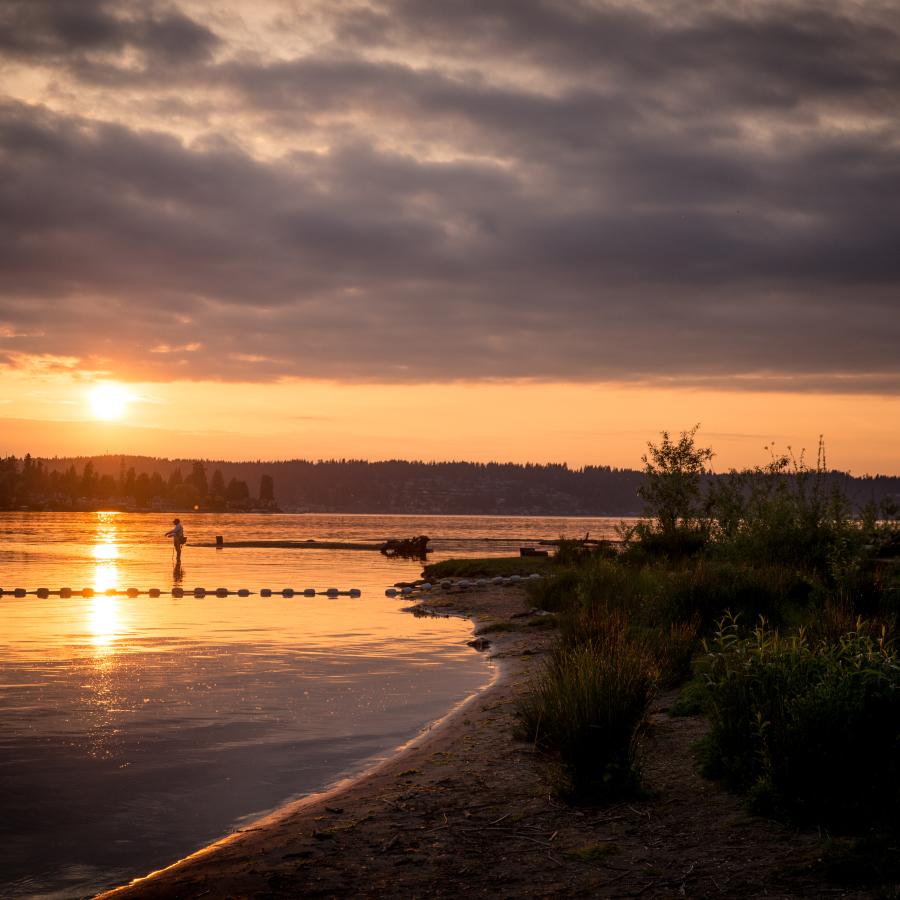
(41, 484)
(351, 486)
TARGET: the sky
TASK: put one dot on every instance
(505, 229)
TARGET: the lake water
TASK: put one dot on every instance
(136, 730)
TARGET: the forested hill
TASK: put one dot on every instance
(399, 486)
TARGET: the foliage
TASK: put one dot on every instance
(556, 592)
(672, 492)
(486, 567)
(589, 707)
(787, 512)
(810, 728)
(37, 485)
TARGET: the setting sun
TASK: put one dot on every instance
(109, 401)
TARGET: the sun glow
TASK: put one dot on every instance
(109, 401)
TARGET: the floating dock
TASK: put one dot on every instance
(294, 545)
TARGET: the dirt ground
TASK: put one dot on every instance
(467, 810)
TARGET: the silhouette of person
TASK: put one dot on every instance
(178, 539)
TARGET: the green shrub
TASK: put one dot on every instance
(589, 707)
(811, 729)
(706, 589)
(555, 592)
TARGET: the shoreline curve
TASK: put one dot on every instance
(294, 812)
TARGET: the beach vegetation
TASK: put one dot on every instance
(773, 601)
(588, 708)
(808, 727)
(486, 567)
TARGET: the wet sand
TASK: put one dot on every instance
(468, 809)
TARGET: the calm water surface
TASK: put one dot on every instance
(135, 730)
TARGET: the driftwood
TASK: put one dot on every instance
(409, 548)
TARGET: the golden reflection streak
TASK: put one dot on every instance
(103, 620)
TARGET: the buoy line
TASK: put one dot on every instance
(66, 592)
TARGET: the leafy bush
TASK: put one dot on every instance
(787, 513)
(589, 707)
(672, 487)
(811, 729)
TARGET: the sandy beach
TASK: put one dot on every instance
(468, 808)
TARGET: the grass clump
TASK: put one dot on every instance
(486, 567)
(589, 707)
(555, 592)
(809, 728)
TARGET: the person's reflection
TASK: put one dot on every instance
(178, 573)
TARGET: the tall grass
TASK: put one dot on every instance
(810, 728)
(589, 708)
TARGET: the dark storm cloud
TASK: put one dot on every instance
(465, 190)
(72, 31)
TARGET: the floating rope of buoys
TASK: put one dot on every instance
(43, 593)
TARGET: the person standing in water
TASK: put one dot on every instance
(178, 539)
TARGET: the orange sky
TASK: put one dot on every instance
(535, 231)
(605, 424)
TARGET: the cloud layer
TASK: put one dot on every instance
(411, 191)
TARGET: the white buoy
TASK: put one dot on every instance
(243, 592)
(406, 590)
(154, 592)
(425, 585)
(221, 592)
(177, 592)
(332, 592)
(132, 592)
(534, 576)
(497, 580)
(482, 582)
(390, 592)
(265, 592)
(463, 583)
(287, 592)
(65, 593)
(515, 579)
(19, 592)
(309, 592)
(43, 593)
(355, 592)
(446, 584)
(199, 592)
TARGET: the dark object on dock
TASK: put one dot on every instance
(532, 551)
(408, 548)
(220, 541)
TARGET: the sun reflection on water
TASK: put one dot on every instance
(104, 621)
(104, 613)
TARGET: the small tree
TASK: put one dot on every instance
(672, 483)
(266, 489)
